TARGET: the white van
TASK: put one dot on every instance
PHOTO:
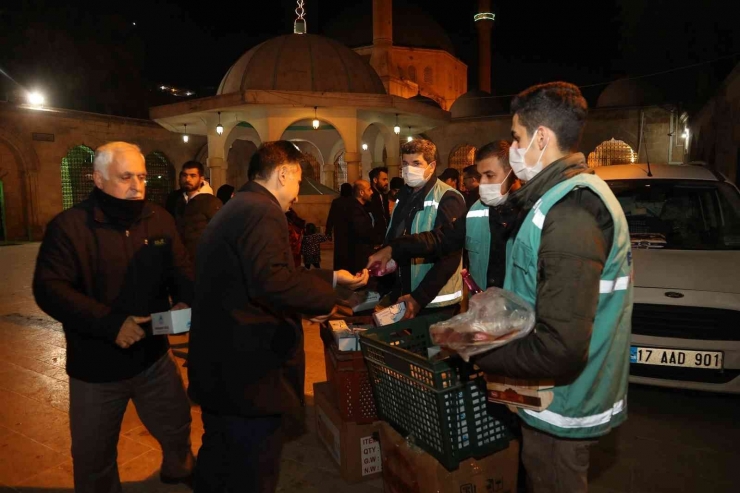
(684, 222)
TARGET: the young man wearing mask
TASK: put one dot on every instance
(432, 282)
(570, 257)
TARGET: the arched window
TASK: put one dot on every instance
(461, 157)
(611, 152)
(311, 167)
(428, 78)
(160, 178)
(340, 170)
(412, 73)
(77, 180)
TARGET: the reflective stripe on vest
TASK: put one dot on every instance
(584, 422)
(483, 213)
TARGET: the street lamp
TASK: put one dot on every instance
(35, 98)
(397, 129)
(409, 138)
(364, 146)
(185, 137)
(315, 119)
(219, 127)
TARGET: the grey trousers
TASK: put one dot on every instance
(95, 414)
(553, 464)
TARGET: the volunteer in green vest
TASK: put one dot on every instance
(569, 256)
(432, 282)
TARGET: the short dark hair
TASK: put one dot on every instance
(559, 106)
(310, 229)
(420, 146)
(345, 190)
(450, 173)
(270, 155)
(194, 165)
(396, 183)
(472, 172)
(498, 150)
(375, 172)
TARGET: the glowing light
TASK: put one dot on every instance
(36, 98)
(185, 137)
(397, 128)
(315, 122)
(160, 177)
(409, 138)
(364, 146)
(686, 134)
(219, 127)
(484, 16)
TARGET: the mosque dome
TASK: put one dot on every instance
(301, 62)
(413, 27)
(476, 103)
(423, 99)
(629, 93)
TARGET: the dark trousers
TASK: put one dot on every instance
(239, 454)
(553, 464)
(96, 412)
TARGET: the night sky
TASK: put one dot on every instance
(90, 55)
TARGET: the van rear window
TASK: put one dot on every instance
(680, 214)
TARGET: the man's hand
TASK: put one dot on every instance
(323, 318)
(412, 307)
(131, 332)
(349, 281)
(383, 256)
(179, 306)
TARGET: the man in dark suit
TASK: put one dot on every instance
(378, 205)
(336, 226)
(246, 363)
(360, 226)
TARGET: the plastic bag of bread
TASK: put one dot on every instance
(494, 317)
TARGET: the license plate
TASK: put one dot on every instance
(676, 357)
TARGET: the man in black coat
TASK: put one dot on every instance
(104, 266)
(360, 233)
(336, 227)
(196, 206)
(246, 361)
(378, 205)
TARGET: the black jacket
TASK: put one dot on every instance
(576, 240)
(378, 207)
(246, 340)
(193, 216)
(92, 273)
(360, 236)
(451, 209)
(337, 229)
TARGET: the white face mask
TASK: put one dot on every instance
(520, 168)
(490, 193)
(413, 176)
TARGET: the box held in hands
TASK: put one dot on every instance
(172, 322)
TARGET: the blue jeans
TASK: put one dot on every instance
(239, 454)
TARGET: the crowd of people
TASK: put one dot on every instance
(531, 218)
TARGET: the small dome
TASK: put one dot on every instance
(413, 27)
(423, 99)
(476, 103)
(628, 93)
(301, 62)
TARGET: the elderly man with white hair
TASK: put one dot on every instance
(104, 266)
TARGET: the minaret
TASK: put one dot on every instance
(380, 58)
(484, 24)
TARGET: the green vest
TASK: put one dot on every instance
(596, 401)
(424, 220)
(478, 243)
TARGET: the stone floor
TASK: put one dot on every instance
(673, 441)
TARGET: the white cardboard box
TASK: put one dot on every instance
(390, 315)
(172, 322)
(344, 337)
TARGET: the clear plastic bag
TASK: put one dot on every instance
(494, 318)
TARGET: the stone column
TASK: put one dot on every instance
(354, 166)
(217, 163)
(393, 158)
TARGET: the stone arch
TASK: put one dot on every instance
(340, 169)
(77, 175)
(462, 155)
(611, 152)
(377, 136)
(160, 179)
(313, 155)
(26, 168)
(339, 129)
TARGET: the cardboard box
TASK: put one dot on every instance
(390, 315)
(172, 322)
(408, 469)
(527, 394)
(354, 447)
